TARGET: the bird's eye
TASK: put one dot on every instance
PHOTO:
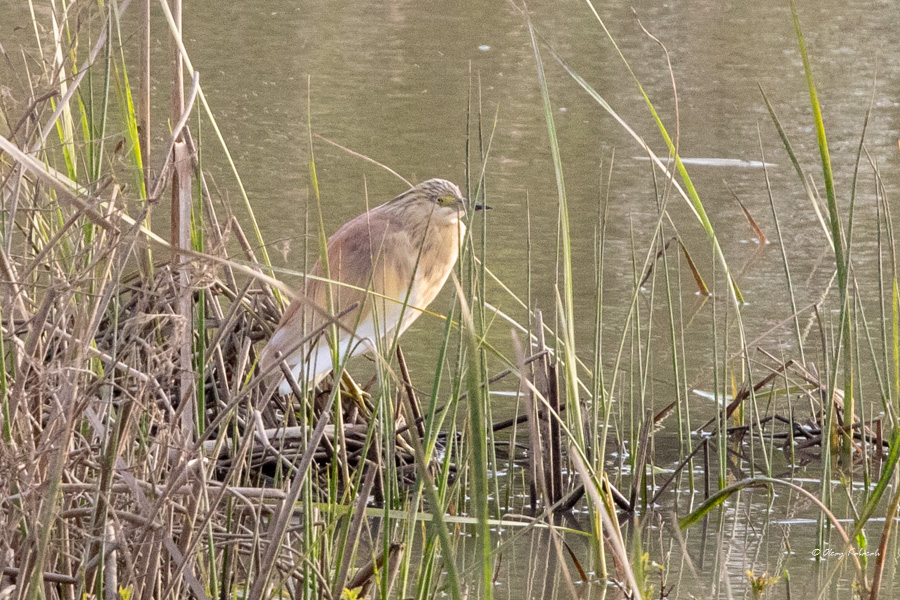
(446, 200)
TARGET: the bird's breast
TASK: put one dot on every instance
(440, 251)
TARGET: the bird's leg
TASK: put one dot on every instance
(360, 398)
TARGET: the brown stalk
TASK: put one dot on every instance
(414, 409)
(760, 236)
(364, 575)
(181, 238)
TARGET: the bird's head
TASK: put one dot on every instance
(439, 197)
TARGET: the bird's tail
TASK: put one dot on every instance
(314, 364)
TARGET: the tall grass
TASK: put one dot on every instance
(147, 457)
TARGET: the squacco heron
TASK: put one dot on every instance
(385, 266)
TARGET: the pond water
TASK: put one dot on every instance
(394, 81)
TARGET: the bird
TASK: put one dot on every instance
(384, 268)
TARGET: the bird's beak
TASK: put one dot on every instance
(476, 207)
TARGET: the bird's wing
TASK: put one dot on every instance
(371, 253)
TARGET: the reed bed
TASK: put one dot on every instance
(145, 456)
